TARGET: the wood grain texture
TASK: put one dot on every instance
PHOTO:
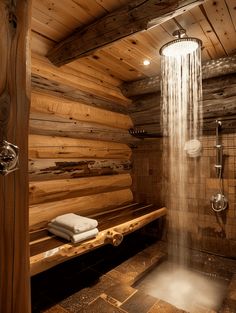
(41, 214)
(54, 169)
(219, 96)
(63, 90)
(137, 16)
(48, 147)
(210, 69)
(77, 80)
(45, 103)
(53, 125)
(45, 260)
(54, 190)
(15, 19)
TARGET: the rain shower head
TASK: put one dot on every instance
(181, 46)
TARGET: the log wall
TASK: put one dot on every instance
(219, 96)
(79, 157)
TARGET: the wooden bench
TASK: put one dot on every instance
(47, 250)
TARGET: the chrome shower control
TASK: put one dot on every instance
(9, 155)
(219, 202)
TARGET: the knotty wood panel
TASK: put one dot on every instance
(219, 96)
(67, 76)
(41, 214)
(52, 125)
(54, 169)
(47, 147)
(45, 103)
(14, 109)
(46, 191)
(130, 19)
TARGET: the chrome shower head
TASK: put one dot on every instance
(181, 46)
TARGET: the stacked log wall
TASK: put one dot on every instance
(79, 154)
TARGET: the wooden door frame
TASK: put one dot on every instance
(15, 84)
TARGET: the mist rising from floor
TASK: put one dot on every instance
(183, 288)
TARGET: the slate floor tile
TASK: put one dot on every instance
(82, 298)
(139, 303)
(101, 306)
(120, 292)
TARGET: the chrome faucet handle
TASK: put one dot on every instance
(9, 158)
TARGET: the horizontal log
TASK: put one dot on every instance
(41, 214)
(136, 16)
(62, 90)
(45, 103)
(210, 69)
(54, 169)
(219, 97)
(53, 125)
(54, 190)
(60, 147)
(42, 67)
(39, 263)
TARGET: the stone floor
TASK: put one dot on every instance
(101, 282)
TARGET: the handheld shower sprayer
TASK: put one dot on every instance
(218, 201)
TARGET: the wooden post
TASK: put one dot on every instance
(14, 108)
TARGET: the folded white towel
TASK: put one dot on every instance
(75, 223)
(63, 229)
(76, 237)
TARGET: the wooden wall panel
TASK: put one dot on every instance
(77, 80)
(45, 103)
(14, 114)
(46, 191)
(60, 147)
(219, 96)
(79, 157)
(53, 125)
(54, 169)
(41, 214)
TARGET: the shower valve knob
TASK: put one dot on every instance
(9, 158)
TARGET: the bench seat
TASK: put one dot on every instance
(48, 250)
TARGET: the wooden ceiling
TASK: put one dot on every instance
(214, 22)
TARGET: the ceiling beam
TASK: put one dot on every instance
(210, 69)
(135, 17)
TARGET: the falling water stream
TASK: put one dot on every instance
(182, 116)
(172, 281)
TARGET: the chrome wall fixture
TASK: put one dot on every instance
(9, 158)
(219, 201)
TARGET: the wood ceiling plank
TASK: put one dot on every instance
(115, 66)
(48, 27)
(91, 7)
(119, 24)
(84, 67)
(129, 55)
(231, 5)
(111, 5)
(194, 29)
(56, 10)
(208, 31)
(219, 16)
(113, 72)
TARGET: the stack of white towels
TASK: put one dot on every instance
(73, 227)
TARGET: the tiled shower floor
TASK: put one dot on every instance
(106, 284)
